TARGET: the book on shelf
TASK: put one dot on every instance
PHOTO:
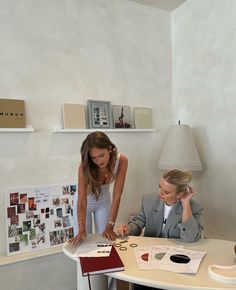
(142, 118)
(74, 116)
(99, 265)
(122, 116)
(12, 113)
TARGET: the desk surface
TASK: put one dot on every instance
(219, 252)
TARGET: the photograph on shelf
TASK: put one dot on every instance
(73, 116)
(99, 114)
(122, 116)
(38, 217)
(142, 118)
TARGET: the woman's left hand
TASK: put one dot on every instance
(109, 234)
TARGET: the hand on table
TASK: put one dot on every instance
(76, 239)
(109, 234)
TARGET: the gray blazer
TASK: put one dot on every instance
(151, 217)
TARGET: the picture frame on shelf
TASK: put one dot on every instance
(143, 118)
(99, 114)
(73, 116)
(122, 117)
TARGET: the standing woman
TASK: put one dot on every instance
(101, 165)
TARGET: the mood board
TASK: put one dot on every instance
(38, 217)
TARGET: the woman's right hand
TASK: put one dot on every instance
(122, 230)
(185, 199)
(76, 239)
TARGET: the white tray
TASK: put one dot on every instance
(225, 274)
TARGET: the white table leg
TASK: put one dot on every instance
(98, 282)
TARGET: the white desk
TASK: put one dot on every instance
(98, 282)
(219, 252)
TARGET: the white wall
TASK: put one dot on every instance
(70, 51)
(204, 90)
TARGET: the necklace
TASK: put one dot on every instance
(103, 175)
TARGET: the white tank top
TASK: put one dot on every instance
(105, 188)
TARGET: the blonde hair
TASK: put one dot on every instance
(178, 178)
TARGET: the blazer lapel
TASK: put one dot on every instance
(158, 215)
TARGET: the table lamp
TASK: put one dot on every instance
(179, 150)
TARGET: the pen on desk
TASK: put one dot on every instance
(124, 241)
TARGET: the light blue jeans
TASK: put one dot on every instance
(98, 209)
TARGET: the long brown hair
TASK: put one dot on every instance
(90, 169)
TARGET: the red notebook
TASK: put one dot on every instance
(99, 265)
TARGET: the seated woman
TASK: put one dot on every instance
(170, 214)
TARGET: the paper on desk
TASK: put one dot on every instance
(180, 260)
(149, 258)
(170, 258)
(142, 258)
(157, 253)
(93, 248)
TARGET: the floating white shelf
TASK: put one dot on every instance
(61, 130)
(19, 130)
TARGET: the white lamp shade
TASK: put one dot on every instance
(179, 150)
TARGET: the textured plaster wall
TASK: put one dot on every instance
(70, 51)
(204, 90)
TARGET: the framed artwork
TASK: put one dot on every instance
(38, 217)
(142, 118)
(99, 114)
(74, 116)
(122, 116)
